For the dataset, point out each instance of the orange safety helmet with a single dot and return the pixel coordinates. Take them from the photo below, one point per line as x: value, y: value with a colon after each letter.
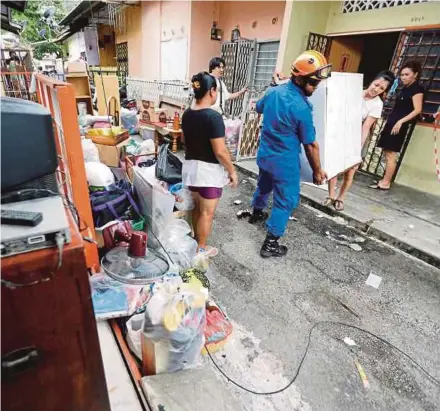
x: 311, y: 64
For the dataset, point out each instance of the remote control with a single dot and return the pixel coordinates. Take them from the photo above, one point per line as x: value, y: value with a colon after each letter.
x: 25, y: 218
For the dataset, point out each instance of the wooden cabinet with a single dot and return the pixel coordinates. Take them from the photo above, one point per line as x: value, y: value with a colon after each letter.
x: 53, y: 326
x: 83, y: 94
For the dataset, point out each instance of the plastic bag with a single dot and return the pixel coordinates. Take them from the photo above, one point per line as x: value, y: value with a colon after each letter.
x: 90, y: 151
x: 184, y: 200
x: 175, y: 238
x: 129, y: 120
x: 156, y: 204
x: 232, y: 134
x: 169, y: 166
x: 134, y: 334
x: 217, y: 330
x: 113, y: 299
x: 175, y: 321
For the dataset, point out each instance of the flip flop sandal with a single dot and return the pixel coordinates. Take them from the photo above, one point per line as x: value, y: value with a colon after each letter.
x: 377, y: 187
x: 328, y: 201
x: 338, y: 205
x: 211, y: 251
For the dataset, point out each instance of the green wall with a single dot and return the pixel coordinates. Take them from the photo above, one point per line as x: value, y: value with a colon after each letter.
x: 418, y: 167
x: 387, y: 18
x: 306, y: 16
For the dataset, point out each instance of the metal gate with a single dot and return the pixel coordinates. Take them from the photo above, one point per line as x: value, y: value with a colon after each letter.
x: 248, y: 63
x: 238, y: 58
x: 122, y: 62
x: 263, y: 65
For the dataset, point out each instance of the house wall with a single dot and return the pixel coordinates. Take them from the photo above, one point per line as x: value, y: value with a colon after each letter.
x: 305, y: 17
x: 418, y: 166
x: 151, y: 35
x: 133, y: 36
x: 244, y: 13
x: 384, y: 19
x: 230, y: 14
x: 202, y: 48
x: 75, y: 45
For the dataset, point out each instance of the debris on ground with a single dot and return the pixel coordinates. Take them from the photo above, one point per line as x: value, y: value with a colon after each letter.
x: 411, y: 226
x: 237, y: 202
x: 320, y: 215
x: 362, y: 374
x: 243, y: 214
x: 339, y: 220
x: 346, y: 240
x: 355, y: 247
x: 349, y: 342
x: 244, y: 181
x: 374, y: 280
x: 292, y: 218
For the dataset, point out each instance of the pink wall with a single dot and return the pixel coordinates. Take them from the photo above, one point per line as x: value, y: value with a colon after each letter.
x: 244, y: 13
x: 176, y: 17
x: 202, y: 48
x: 151, y: 29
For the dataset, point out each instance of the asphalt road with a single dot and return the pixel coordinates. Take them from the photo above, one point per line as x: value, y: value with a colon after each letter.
x: 274, y: 303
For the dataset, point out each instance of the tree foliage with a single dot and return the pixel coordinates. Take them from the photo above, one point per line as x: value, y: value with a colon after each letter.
x: 35, y: 26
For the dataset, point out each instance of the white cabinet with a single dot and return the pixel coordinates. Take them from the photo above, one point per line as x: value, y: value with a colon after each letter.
x: 337, y: 116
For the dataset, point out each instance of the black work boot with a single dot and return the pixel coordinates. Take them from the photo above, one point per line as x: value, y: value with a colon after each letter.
x: 258, y: 216
x: 271, y: 248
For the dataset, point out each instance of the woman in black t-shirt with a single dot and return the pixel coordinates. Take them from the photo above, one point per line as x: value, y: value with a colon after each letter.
x: 408, y: 106
x: 208, y: 166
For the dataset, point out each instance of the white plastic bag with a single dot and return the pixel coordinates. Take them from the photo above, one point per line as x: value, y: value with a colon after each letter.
x: 129, y: 120
x: 175, y: 321
x: 134, y: 334
x: 175, y: 238
x: 184, y: 200
x: 90, y: 151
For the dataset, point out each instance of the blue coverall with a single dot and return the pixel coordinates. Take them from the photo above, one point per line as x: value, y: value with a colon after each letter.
x: 287, y: 123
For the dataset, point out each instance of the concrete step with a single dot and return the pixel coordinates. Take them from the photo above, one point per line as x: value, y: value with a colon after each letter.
x: 197, y: 389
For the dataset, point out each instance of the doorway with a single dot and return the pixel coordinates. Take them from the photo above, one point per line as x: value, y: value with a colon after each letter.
x: 367, y: 53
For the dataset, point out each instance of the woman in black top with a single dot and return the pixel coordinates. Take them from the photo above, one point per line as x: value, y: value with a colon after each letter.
x: 408, y: 106
x: 208, y: 166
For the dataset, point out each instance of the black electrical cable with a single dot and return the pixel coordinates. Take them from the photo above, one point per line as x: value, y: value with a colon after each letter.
x: 301, y: 363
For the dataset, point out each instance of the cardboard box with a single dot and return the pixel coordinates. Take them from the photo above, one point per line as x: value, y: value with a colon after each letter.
x: 110, y: 155
x: 153, y: 115
x: 76, y: 67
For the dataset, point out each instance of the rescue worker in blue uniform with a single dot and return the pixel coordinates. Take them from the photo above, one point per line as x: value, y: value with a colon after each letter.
x: 287, y: 124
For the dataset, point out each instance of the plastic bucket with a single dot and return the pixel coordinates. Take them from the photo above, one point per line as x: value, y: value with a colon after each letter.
x: 147, y: 133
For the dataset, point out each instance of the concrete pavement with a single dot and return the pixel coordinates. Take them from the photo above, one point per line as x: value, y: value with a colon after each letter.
x: 403, y: 217
x: 274, y: 304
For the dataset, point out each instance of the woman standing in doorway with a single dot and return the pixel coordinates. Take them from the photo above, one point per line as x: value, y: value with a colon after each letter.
x: 371, y: 110
x: 408, y: 106
x: 208, y: 166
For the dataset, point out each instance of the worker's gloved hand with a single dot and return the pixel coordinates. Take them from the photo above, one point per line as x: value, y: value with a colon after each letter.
x: 319, y: 177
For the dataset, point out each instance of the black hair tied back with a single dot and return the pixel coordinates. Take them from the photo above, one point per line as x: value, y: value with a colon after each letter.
x: 202, y: 83
x: 387, y: 75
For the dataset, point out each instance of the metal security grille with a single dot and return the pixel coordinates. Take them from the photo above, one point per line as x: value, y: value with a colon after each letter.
x: 352, y: 6
x: 319, y: 43
x: 122, y: 62
x: 424, y: 46
x: 237, y: 56
x: 265, y: 63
